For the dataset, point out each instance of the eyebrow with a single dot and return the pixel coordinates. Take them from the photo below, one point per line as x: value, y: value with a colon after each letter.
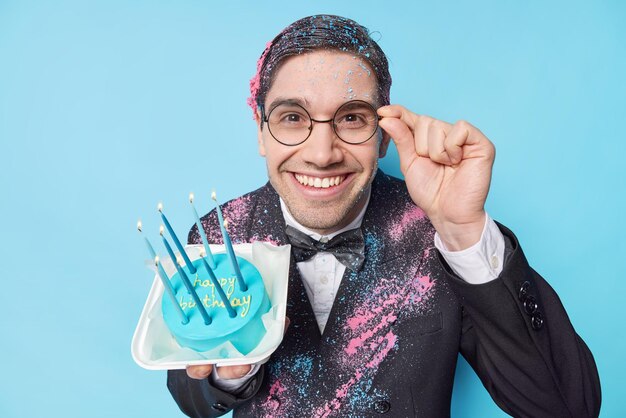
x: 300, y: 101
x: 289, y: 101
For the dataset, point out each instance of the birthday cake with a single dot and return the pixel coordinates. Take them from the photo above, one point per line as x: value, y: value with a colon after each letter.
x: 214, y: 299
x: 204, y: 321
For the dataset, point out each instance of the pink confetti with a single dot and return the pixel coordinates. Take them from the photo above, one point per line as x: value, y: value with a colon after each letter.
x: 255, y: 82
x: 391, y: 339
x: 422, y: 284
x: 268, y: 238
x: 271, y: 402
x: 357, y: 342
x: 237, y: 209
x: 412, y: 215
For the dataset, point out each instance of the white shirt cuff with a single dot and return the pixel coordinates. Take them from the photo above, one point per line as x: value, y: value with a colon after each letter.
x: 483, y: 261
x: 231, y: 385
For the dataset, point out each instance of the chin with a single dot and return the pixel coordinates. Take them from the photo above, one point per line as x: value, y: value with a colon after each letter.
x: 314, y: 222
x: 324, y: 216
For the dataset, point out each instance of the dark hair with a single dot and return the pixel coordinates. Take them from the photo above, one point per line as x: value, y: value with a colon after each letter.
x: 319, y: 32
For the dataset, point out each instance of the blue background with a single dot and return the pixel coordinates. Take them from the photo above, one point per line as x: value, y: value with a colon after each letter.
x: 108, y: 107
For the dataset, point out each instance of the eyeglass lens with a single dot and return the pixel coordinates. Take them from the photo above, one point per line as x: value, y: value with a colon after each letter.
x: 354, y: 122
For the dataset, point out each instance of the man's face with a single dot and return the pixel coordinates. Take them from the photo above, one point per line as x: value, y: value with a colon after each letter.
x: 321, y: 81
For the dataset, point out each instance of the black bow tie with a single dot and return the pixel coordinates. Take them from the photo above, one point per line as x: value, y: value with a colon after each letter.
x: 348, y: 247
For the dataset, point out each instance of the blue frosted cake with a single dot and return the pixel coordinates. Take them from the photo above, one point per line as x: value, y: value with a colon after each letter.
x: 244, y: 330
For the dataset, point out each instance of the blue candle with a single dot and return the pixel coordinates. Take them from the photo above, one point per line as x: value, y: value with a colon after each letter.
x: 187, y: 282
x: 229, y: 246
x: 150, y: 248
x: 190, y: 266
x: 220, y: 291
x: 202, y: 233
x: 163, y: 276
x: 170, y: 290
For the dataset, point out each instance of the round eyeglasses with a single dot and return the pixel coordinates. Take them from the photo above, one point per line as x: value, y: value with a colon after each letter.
x: 290, y: 124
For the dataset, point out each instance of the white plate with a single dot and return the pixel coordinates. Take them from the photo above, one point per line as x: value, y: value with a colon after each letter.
x: 153, y: 346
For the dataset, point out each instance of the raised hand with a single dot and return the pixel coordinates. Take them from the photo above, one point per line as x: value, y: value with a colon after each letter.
x: 447, y: 169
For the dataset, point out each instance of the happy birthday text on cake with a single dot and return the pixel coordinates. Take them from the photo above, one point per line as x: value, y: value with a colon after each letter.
x: 212, y: 300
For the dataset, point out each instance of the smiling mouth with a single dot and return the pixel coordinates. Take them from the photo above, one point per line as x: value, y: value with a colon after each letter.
x: 319, y: 182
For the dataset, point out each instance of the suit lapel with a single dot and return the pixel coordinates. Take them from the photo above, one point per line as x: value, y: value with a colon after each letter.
x: 383, y: 261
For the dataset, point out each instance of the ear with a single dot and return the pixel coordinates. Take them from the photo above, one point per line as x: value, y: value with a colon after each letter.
x: 384, y: 144
x: 259, y: 133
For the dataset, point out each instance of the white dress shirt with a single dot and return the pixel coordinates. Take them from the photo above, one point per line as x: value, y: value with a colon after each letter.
x: 321, y: 274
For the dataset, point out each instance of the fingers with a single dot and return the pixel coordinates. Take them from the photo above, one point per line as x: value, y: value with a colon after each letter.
x: 457, y: 137
x: 436, y: 138
x: 398, y: 112
x: 234, y: 372
x: 422, y: 136
x: 225, y: 372
x: 199, y: 372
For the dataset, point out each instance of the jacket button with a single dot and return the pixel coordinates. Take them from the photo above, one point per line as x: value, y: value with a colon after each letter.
x: 536, y: 320
x: 523, y: 290
x: 219, y: 407
x: 381, y: 406
x: 530, y: 305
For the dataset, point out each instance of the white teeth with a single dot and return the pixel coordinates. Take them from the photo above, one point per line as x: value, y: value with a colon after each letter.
x: 319, y: 182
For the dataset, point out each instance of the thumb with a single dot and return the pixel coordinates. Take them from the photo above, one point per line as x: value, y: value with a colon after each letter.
x: 398, y: 123
x: 287, y: 322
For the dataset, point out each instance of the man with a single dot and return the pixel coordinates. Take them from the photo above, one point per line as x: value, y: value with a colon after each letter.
x: 376, y: 328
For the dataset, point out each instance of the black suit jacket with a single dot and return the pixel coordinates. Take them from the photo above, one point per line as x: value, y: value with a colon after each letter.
x: 392, y: 339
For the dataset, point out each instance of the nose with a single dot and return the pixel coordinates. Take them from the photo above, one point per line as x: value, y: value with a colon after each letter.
x: 322, y: 148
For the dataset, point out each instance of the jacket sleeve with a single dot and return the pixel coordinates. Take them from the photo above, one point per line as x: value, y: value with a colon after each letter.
x: 199, y: 398
x: 521, y: 343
